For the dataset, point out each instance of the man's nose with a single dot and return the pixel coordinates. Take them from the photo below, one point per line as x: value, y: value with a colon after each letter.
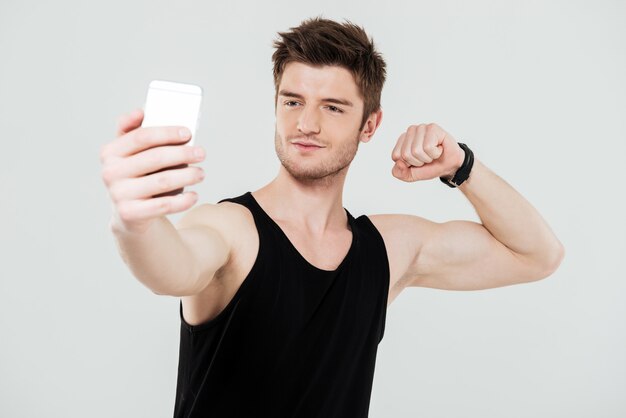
x: 308, y: 121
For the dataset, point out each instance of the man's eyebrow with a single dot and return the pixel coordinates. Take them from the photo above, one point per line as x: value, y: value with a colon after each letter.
x: 344, y: 102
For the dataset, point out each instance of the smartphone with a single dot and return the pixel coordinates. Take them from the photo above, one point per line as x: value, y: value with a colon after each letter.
x: 170, y: 103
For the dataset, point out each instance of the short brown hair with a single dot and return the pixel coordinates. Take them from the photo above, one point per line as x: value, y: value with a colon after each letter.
x: 319, y: 42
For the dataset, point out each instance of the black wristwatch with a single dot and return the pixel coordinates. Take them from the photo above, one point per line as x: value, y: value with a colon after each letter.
x: 463, y: 172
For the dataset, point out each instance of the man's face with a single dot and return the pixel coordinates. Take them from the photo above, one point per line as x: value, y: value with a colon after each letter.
x: 320, y: 106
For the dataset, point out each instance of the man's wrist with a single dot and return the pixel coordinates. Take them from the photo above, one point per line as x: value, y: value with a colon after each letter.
x: 462, y: 171
x: 456, y: 168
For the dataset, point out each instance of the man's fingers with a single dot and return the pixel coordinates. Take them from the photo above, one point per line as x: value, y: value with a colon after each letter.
x: 419, y: 145
x: 144, y: 176
x: 130, y: 121
x: 396, y: 154
x: 147, y: 186
x: 400, y: 170
x: 154, y: 159
x: 142, y: 139
x: 412, y: 151
x: 145, y: 138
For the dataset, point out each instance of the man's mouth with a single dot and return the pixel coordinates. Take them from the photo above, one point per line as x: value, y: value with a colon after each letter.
x: 306, y: 146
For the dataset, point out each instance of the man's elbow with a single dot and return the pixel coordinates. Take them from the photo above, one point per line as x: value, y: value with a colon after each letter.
x: 173, y: 291
x: 549, y: 267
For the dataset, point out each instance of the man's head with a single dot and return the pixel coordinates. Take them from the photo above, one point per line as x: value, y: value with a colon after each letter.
x: 322, y: 42
x: 328, y: 80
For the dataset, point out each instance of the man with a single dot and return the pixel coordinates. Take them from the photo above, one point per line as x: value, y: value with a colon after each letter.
x: 283, y: 292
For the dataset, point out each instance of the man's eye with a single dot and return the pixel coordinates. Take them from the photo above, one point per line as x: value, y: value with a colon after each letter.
x: 335, y: 109
x: 290, y: 103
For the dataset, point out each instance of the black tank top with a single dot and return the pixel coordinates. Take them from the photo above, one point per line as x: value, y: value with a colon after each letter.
x: 295, y: 340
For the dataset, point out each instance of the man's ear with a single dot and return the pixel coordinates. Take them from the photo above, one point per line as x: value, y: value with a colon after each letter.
x: 371, y: 124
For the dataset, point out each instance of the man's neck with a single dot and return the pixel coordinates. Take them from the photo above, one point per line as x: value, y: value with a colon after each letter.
x: 315, y: 205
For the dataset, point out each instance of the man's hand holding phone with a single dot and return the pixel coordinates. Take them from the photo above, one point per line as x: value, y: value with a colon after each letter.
x: 135, y: 172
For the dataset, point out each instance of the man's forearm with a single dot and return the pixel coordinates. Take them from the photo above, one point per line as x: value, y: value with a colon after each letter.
x: 510, y: 218
x: 158, y: 258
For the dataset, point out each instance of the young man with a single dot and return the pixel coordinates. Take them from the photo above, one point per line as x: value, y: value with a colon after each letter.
x: 283, y: 292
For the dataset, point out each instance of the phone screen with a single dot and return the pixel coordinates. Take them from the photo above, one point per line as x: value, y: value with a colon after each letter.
x: 173, y: 104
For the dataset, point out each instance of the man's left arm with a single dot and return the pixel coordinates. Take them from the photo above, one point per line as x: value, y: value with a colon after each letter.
x: 513, y: 244
x: 510, y: 218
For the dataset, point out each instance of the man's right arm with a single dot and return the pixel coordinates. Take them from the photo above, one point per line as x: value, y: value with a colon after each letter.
x: 178, y: 261
x: 175, y: 261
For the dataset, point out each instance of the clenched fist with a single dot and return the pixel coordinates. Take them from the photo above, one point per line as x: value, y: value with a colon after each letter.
x: 425, y: 152
x: 134, y: 170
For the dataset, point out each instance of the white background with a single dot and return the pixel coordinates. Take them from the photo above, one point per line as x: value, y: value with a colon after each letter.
x: 537, y: 89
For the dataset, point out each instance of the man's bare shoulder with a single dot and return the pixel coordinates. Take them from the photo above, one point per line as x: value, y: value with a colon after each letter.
x: 234, y: 223
x: 228, y: 218
x: 394, y: 224
x: 403, y: 236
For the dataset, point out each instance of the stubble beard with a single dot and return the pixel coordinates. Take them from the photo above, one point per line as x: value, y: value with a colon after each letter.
x: 322, y: 172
